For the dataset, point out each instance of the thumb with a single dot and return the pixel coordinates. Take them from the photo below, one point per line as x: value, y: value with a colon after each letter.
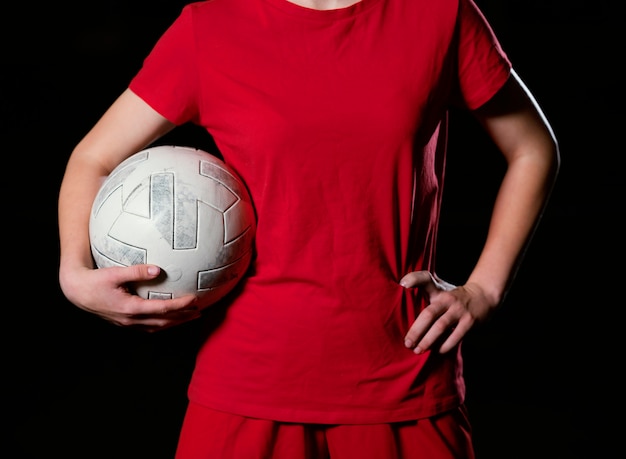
x: 416, y: 279
x: 135, y: 273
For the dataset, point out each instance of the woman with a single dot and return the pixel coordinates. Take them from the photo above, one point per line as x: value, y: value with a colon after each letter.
x: 341, y: 341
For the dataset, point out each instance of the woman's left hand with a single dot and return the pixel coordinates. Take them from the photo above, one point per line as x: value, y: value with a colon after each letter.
x: 452, y: 311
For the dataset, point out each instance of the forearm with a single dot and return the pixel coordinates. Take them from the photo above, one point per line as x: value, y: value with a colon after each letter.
x: 78, y: 189
x: 518, y: 207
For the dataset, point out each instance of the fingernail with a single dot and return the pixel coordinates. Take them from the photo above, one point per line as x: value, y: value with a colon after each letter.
x: 408, y: 343
x: 153, y: 270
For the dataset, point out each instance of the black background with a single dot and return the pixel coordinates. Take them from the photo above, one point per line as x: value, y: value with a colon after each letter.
x: 543, y: 375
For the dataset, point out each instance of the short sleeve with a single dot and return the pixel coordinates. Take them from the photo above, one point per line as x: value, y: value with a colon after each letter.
x: 168, y: 78
x: 483, y: 66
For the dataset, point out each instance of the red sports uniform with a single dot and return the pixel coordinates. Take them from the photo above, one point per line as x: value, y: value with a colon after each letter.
x: 336, y: 121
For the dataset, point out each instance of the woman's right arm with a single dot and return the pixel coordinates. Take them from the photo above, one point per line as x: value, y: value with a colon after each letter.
x: 128, y: 126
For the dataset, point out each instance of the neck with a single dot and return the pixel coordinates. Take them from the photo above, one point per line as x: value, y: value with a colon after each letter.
x: 324, y: 4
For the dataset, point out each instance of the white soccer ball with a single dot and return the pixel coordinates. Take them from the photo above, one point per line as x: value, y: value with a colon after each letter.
x: 182, y: 209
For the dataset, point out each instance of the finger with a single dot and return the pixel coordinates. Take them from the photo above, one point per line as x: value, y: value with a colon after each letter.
x: 154, y: 326
x: 154, y: 322
x: 451, y: 341
x: 183, y: 304
x: 416, y: 279
x: 455, y: 337
x: 136, y: 273
x: 425, y: 329
x: 124, y: 276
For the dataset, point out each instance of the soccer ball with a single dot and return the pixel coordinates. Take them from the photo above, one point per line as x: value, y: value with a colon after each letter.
x: 182, y: 209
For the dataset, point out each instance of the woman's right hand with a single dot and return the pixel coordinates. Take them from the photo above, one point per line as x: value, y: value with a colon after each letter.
x: 105, y: 292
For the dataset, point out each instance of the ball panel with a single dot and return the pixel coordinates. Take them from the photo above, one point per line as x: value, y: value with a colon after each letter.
x: 111, y: 253
x: 237, y: 224
x: 162, y: 206
x: 159, y: 296
x: 223, y: 276
x: 117, y: 177
x: 108, y: 249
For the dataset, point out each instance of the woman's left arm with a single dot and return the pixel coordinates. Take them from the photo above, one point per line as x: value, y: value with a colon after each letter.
x: 520, y: 130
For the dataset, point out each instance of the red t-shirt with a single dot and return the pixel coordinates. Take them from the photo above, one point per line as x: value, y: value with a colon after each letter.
x: 336, y: 122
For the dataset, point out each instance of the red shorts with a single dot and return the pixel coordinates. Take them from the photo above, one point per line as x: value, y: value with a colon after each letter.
x: 208, y: 434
